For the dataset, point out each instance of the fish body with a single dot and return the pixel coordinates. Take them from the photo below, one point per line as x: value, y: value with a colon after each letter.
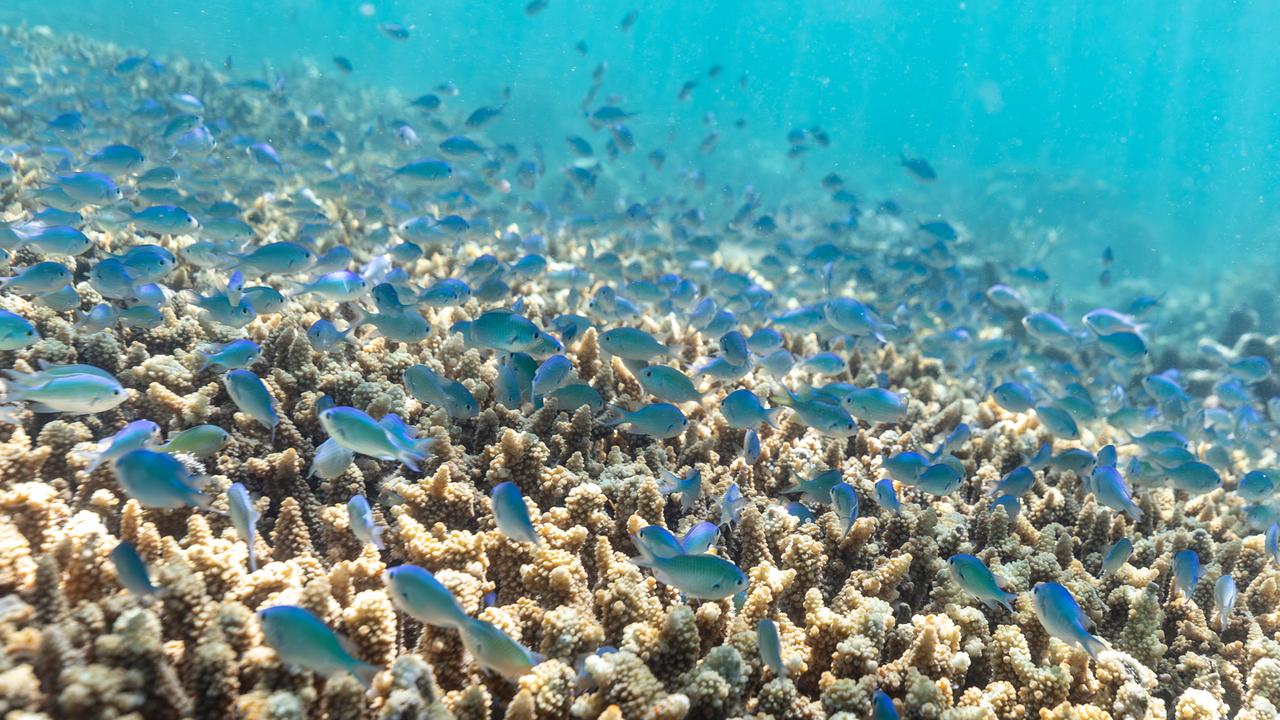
x: 876, y: 405
x: 137, y: 434
x: 828, y: 419
x: 78, y: 393
x: 235, y: 355
x: 131, y: 570
x: 423, y: 597
x: 816, y: 489
x: 244, y: 518
x: 1113, y: 492
x: 667, y: 384
x: 658, y: 420
x: 157, y: 480
x: 356, y: 431
x: 706, y: 577
x: 200, y: 441
x: 363, y: 526
x: 1224, y: 598
x: 302, y: 639
x: 16, y: 332
x: 512, y: 514
x: 495, y: 650
x: 975, y: 578
x: 742, y: 409
x: 1187, y: 572
x: 887, y: 496
x: 1061, y: 617
x: 632, y: 344
x: 1117, y: 555
x: 689, y: 487
x: 251, y: 396
x: 770, y: 645
x: 844, y: 500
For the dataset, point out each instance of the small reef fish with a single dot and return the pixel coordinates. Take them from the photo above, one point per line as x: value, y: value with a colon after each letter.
x: 302, y: 639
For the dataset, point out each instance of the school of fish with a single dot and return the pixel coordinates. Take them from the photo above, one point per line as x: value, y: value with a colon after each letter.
x: 299, y: 391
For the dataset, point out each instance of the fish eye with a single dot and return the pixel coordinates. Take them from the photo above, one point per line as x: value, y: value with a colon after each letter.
x: 115, y: 392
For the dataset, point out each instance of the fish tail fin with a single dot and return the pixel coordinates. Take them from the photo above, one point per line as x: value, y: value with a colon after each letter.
x: 771, y: 416
x: 1132, y: 510
x: 411, y: 459
x: 1006, y: 600
x: 1093, y: 644
x: 376, y: 537
x: 613, y: 415
x: 253, y: 559
x: 14, y: 391
x: 365, y: 673
x: 204, y: 360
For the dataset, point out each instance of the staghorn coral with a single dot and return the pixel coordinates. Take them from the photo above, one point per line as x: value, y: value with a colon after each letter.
x: 871, y: 608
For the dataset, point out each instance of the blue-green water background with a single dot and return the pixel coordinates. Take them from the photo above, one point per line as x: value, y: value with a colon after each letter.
x: 1147, y: 125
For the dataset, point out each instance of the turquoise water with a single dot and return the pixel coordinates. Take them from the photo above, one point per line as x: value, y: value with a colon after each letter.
x: 1147, y: 126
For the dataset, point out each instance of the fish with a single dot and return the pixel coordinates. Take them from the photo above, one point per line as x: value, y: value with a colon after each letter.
x: 689, y: 487
x: 199, y: 441
x: 906, y: 466
x: 494, y: 649
x: 632, y: 344
x: 37, y: 279
x: 1014, y: 397
x: 131, y: 570
x: 1116, y: 556
x: 1194, y: 477
x: 939, y: 479
x: 244, y: 517
x: 770, y: 645
x: 887, y: 496
x: 815, y: 489
x: 16, y: 332
x: 1224, y: 598
x: 1272, y: 542
x: 76, y: 393
x: 667, y: 384
x: 552, y: 374
x: 252, y: 398
x: 658, y: 420
x: 1016, y: 482
x: 700, y: 538
x: 324, y: 336
x: 511, y: 514
x: 428, y: 387
x: 882, y: 707
x: 1113, y: 492
x: 876, y: 405
x: 975, y: 578
x: 359, y: 433
x: 1061, y: 617
x: 742, y: 409
x: 750, y: 447
x: 157, y: 480
x: 844, y: 500
x: 331, y: 460
x: 828, y: 419
x: 919, y: 168
x: 732, y: 504
x: 135, y: 435
x: 301, y: 639
x: 234, y: 355
x: 705, y: 577
x: 363, y: 525
x: 1187, y: 572
x: 418, y: 594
